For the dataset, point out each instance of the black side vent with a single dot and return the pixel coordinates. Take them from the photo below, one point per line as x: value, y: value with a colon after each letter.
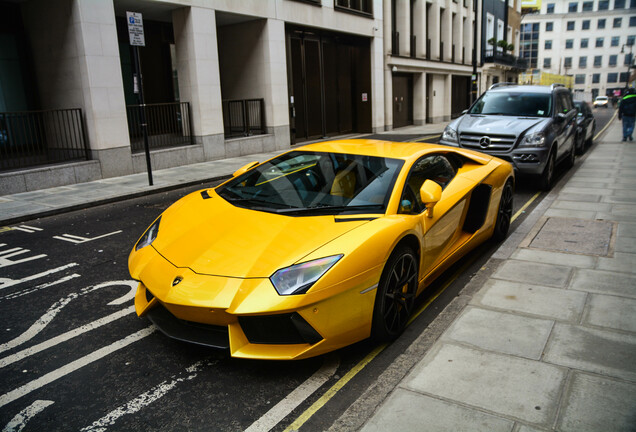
x: 205, y: 194
x: 279, y: 329
x: 477, y: 209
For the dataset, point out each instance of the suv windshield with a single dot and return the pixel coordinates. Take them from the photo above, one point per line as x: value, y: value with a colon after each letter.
x: 514, y: 104
x: 313, y: 183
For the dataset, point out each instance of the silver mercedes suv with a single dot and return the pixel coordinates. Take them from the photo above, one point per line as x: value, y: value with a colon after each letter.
x: 532, y: 127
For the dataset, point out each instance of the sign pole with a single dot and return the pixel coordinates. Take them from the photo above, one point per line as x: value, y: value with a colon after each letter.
x: 136, y: 35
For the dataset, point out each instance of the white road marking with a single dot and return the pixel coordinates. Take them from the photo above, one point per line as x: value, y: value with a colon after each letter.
x: 54, y: 309
x: 20, y: 420
x: 77, y: 239
x: 6, y: 254
x: 27, y: 229
x: 65, y: 337
x: 38, y: 288
x: 144, y: 399
x: 6, y: 282
x: 73, y: 366
x: 282, y: 409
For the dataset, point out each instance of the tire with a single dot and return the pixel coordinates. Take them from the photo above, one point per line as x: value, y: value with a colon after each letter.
x: 571, y: 157
x: 395, y: 297
x: 545, y: 182
x: 504, y: 214
x: 588, y: 142
x: 580, y: 144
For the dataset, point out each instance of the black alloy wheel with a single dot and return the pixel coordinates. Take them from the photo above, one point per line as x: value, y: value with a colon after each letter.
x: 548, y: 173
x: 395, y: 298
x: 504, y: 215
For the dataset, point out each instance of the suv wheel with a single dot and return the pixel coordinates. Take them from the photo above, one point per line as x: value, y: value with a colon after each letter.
x: 548, y: 173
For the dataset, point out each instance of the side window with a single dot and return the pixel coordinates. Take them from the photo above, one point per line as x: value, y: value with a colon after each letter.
x: 432, y: 167
x: 566, y: 103
x: 558, y: 105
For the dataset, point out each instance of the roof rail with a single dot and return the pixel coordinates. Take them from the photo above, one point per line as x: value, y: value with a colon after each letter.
x: 502, y: 84
x: 553, y: 85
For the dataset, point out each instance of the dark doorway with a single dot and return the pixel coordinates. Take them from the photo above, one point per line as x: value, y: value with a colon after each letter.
x: 329, y: 84
x: 402, y: 100
x: 460, y: 95
x: 429, y: 98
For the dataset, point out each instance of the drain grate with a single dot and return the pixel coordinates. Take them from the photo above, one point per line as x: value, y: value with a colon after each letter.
x: 580, y: 236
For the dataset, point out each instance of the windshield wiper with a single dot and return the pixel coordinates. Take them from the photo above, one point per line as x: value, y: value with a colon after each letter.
x: 327, y: 209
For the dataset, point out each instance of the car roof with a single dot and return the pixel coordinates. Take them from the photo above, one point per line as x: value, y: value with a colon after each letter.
x: 526, y: 89
x: 601, y: 97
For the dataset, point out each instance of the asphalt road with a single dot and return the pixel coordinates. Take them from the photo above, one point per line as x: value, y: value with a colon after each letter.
x: 74, y: 356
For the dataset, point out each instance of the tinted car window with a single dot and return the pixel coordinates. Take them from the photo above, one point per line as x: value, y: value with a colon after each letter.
x: 433, y: 167
x: 514, y: 104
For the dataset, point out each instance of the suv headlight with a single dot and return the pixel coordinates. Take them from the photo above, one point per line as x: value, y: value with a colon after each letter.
x: 449, y: 134
x: 536, y: 139
x: 149, y: 236
x: 297, y: 279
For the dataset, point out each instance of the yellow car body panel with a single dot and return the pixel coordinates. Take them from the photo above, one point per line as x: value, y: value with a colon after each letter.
x: 211, y: 261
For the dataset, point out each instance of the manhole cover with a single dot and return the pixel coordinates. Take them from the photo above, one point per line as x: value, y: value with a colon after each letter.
x: 581, y: 236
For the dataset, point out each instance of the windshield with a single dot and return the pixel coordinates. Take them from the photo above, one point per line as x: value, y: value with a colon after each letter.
x: 312, y: 183
x: 514, y: 104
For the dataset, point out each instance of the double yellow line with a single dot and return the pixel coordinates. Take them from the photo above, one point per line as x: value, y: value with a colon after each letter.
x: 329, y: 394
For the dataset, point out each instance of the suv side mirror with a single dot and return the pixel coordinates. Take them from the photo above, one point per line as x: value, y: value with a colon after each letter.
x: 561, y: 117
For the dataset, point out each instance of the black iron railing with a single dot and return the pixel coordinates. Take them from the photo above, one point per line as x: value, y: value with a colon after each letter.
x: 493, y: 56
x: 169, y: 125
x: 32, y: 138
x: 244, y: 117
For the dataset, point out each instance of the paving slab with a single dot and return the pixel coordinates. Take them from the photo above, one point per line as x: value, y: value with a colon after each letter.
x: 573, y: 235
x: 525, y: 389
x: 593, y: 350
x: 613, y: 312
x: 620, y: 262
x: 548, y: 257
x: 405, y: 410
x: 604, y: 282
x: 534, y: 273
x: 553, y: 303
x: 594, y: 403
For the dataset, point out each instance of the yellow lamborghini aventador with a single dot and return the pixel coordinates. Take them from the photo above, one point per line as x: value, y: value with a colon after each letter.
x: 317, y: 248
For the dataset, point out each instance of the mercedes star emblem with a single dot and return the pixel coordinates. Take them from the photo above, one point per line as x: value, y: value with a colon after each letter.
x: 484, y: 142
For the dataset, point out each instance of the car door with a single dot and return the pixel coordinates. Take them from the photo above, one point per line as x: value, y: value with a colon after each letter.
x: 442, y: 229
x: 567, y: 127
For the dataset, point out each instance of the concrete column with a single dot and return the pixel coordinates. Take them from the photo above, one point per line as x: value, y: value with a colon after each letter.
x: 199, y: 81
x: 377, y: 79
x: 448, y: 96
x: 419, y: 27
x: 446, y: 32
x: 403, y: 24
x: 76, y: 58
x: 419, y: 98
x: 386, y: 70
x: 433, y: 18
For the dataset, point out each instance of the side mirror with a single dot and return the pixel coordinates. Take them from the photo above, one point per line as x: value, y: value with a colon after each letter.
x: 464, y: 112
x: 430, y: 193
x: 244, y: 169
x: 561, y: 117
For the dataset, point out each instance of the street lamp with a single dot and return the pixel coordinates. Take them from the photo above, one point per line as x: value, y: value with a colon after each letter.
x: 629, y: 64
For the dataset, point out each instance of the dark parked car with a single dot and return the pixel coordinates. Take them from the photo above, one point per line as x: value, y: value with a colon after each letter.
x: 532, y: 127
x: 585, y: 126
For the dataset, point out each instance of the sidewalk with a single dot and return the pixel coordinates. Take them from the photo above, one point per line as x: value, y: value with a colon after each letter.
x: 46, y: 202
x: 544, y: 336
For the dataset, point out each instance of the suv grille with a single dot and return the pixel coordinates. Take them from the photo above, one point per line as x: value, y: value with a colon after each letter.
x: 487, y: 142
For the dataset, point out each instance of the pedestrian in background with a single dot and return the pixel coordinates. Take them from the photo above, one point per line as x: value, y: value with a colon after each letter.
x: 627, y: 113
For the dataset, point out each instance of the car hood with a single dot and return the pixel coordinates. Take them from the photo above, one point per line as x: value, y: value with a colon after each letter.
x: 211, y: 236
x: 494, y: 124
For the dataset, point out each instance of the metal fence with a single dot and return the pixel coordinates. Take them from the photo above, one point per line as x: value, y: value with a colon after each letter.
x: 32, y: 138
x: 244, y: 117
x: 169, y: 125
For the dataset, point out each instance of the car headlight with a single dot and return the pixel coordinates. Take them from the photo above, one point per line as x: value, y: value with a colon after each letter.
x: 149, y: 236
x: 449, y: 134
x: 297, y: 279
x: 536, y: 139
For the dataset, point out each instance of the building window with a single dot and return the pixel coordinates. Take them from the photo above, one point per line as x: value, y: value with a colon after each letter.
x: 549, y: 26
x: 584, y: 42
x: 618, y: 22
x: 623, y: 77
x: 579, y: 79
x: 573, y: 7
x: 630, y: 40
x: 603, y: 5
x: 619, y: 4
x: 596, y: 78
x: 598, y: 61
x: 582, y: 62
x: 529, y: 43
x: 628, y: 59
x: 601, y: 23
x: 570, y: 26
x: 588, y: 6
x: 632, y: 4
x: 632, y: 21
x: 612, y: 77
x: 567, y: 62
x: 547, y: 63
x: 549, y: 8
x: 569, y: 43
x: 612, y: 60
x: 615, y: 40
x: 548, y: 45
x: 358, y: 6
x: 599, y: 42
x: 586, y: 25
